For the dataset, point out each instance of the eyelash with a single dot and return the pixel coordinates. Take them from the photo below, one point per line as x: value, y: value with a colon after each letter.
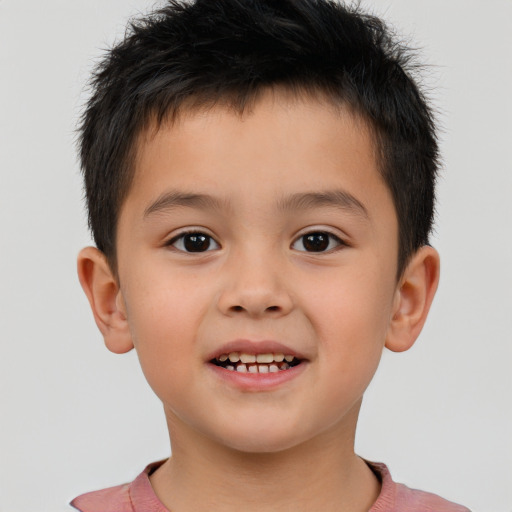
x: 207, y: 239
x: 182, y: 238
x: 331, y: 237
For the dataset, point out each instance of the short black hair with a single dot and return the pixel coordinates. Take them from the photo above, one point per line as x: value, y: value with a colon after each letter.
x: 201, y: 53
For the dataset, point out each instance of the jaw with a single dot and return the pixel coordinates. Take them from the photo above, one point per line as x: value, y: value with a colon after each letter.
x: 264, y: 430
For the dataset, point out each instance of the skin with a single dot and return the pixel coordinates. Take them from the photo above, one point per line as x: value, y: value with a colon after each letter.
x: 257, y: 281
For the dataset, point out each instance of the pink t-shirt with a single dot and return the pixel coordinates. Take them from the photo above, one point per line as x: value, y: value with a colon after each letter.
x: 140, y: 497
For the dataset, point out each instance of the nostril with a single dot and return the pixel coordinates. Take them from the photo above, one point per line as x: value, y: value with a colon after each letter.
x: 269, y: 309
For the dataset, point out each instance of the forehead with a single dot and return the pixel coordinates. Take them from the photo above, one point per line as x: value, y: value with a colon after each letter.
x: 282, y: 145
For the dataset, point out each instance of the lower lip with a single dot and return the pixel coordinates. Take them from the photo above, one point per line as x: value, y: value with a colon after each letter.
x: 257, y: 381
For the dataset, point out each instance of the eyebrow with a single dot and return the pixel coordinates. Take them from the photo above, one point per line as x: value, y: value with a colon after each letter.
x: 340, y: 199
x: 173, y: 199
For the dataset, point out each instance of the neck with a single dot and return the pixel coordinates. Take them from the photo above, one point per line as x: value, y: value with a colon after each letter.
x: 320, y: 474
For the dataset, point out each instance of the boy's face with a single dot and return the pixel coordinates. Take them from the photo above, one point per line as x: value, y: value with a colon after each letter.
x: 267, y: 233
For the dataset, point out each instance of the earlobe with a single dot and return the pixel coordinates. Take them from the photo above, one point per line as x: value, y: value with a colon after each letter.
x: 105, y: 299
x: 413, y: 298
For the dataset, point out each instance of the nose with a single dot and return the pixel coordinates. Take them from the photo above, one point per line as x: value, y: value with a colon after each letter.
x: 255, y: 287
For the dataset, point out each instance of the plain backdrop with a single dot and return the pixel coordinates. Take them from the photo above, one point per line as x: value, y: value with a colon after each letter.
x: 75, y: 417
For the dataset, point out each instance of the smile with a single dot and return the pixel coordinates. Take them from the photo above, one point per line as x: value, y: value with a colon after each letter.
x: 256, y: 363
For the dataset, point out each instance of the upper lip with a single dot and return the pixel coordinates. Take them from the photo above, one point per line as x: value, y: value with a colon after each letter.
x: 255, y: 347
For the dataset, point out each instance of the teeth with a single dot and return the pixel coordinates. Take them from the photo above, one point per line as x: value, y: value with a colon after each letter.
x: 247, y: 358
x: 255, y: 363
x: 264, y: 358
x: 258, y: 368
x: 234, y: 357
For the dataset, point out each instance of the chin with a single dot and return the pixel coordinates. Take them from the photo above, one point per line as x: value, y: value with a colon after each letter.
x: 261, y: 447
x: 265, y: 439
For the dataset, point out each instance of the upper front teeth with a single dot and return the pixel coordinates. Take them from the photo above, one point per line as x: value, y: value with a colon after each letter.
x: 264, y: 358
x: 245, y: 358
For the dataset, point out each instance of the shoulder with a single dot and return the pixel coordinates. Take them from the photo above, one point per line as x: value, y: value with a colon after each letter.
x: 415, y: 500
x: 137, y: 496
x: 395, y: 497
x: 113, y: 499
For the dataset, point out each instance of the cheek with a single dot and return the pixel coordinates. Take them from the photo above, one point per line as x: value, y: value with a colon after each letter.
x: 351, y: 319
x: 164, y: 317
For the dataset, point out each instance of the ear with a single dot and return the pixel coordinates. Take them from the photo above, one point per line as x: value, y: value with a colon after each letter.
x: 413, y: 297
x: 106, y: 300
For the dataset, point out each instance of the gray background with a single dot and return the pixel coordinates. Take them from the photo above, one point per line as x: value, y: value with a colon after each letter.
x: 75, y: 417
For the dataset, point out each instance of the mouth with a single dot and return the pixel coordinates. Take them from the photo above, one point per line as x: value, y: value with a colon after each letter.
x: 244, y: 362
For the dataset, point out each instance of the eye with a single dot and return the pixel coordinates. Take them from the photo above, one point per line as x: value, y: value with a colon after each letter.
x: 317, y: 241
x: 194, y: 242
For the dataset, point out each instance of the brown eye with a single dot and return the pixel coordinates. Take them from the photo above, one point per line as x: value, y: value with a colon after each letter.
x: 318, y: 241
x: 194, y: 242
x: 315, y: 242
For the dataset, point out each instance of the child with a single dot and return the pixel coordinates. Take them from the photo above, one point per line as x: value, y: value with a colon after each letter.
x: 260, y: 183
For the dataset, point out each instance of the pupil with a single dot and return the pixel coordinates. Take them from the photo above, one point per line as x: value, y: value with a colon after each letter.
x: 316, y: 242
x: 196, y: 242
